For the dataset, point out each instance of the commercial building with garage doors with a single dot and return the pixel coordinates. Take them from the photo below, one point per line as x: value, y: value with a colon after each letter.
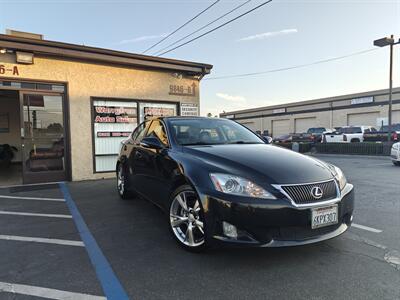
x: 367, y: 108
x: 65, y: 108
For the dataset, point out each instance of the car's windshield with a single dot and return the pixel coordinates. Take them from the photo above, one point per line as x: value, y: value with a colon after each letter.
x: 211, y: 132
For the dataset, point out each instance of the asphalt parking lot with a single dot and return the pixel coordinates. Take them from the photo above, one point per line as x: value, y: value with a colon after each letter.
x: 80, y: 241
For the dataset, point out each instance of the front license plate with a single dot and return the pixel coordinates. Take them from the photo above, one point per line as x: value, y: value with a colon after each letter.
x: 324, y: 216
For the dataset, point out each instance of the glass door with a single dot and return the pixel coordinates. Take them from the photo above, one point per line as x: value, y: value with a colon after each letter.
x: 43, y: 132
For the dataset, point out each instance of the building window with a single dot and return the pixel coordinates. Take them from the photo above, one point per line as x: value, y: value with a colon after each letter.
x: 113, y: 121
x: 148, y: 110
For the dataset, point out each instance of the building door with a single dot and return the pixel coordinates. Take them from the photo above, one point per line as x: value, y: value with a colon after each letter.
x: 303, y: 124
x: 43, y: 137
x: 362, y: 119
x: 280, y: 127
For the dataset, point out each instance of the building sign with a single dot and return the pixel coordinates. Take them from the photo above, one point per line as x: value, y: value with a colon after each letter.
x: 189, y: 109
x: 279, y: 111
x: 183, y: 90
x: 111, y: 114
x: 153, y: 112
x: 229, y: 116
x: 113, y: 122
x: 362, y: 100
x: 9, y: 70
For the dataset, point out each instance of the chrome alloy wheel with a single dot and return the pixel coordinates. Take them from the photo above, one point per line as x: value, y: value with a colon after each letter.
x: 120, y: 181
x: 185, y: 219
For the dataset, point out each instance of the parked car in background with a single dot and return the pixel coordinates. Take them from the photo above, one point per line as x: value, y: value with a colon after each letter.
x: 395, y: 154
x: 348, y: 134
x: 282, y: 139
x: 382, y: 134
x: 313, y: 135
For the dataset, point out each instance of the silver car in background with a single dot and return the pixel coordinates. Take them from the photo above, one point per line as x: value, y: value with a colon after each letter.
x: 395, y: 154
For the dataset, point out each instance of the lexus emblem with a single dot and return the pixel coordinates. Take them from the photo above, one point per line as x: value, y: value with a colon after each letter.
x: 316, y: 192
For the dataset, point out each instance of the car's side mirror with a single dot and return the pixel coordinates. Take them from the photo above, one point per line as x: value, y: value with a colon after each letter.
x: 151, y: 143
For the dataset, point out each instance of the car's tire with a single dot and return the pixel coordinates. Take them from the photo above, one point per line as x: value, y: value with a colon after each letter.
x: 355, y: 141
x: 123, y: 187
x: 186, y: 219
x: 396, y: 163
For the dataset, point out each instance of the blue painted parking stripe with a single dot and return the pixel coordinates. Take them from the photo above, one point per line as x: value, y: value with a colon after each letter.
x: 112, y: 288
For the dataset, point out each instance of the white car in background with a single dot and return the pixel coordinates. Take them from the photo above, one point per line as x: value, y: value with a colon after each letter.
x: 348, y: 134
x: 395, y: 154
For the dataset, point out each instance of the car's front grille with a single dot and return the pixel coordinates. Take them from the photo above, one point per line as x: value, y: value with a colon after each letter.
x: 303, y: 194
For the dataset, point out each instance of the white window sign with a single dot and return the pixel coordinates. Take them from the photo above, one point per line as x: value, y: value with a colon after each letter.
x: 189, y: 109
x: 113, y: 121
x: 362, y: 100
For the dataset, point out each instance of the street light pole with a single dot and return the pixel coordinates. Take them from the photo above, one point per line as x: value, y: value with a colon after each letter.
x: 390, y: 90
x: 382, y: 43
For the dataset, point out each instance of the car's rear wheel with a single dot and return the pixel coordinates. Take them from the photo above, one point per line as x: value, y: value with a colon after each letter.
x: 396, y: 163
x: 122, y: 182
x: 186, y: 219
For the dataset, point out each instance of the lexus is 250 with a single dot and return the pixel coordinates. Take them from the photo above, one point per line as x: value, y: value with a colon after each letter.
x: 218, y: 182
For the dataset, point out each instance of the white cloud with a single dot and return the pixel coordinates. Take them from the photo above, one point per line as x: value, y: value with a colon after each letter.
x: 265, y: 35
x: 231, y: 98
x: 142, y: 38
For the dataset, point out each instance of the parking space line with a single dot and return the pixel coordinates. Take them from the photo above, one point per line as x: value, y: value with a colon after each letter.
x: 44, y: 292
x: 41, y: 240
x: 17, y: 213
x: 112, y: 287
x: 32, y: 198
x: 366, y: 228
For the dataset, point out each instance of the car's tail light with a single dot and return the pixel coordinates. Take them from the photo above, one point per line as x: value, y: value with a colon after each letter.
x: 395, y: 136
x: 345, y: 138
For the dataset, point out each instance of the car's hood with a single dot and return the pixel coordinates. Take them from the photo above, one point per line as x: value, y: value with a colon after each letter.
x: 275, y: 164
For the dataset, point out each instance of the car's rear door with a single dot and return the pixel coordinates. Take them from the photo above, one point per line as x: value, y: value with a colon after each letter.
x: 159, y: 167
x: 136, y: 163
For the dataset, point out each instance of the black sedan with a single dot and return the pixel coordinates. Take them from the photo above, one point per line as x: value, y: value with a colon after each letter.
x: 219, y: 182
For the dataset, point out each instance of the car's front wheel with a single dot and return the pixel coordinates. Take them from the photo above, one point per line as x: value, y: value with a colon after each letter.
x: 122, y: 182
x: 186, y: 219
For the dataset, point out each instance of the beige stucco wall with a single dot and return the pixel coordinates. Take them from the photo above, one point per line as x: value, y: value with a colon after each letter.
x: 87, y: 80
x: 328, y: 119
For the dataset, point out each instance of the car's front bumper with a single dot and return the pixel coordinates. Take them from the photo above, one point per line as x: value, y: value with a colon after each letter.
x: 272, y: 223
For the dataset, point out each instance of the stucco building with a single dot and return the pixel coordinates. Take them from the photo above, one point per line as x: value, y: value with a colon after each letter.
x: 367, y: 108
x: 65, y: 108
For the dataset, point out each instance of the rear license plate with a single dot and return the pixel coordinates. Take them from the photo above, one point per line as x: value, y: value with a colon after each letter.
x: 324, y: 216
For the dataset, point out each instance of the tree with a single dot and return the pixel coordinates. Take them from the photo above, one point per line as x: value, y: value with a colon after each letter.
x: 209, y: 115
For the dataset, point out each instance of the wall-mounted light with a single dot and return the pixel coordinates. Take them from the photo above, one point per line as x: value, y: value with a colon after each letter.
x: 3, y: 51
x: 177, y: 75
x: 24, y: 57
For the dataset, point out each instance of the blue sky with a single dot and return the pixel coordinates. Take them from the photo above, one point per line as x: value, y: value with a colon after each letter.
x: 280, y: 34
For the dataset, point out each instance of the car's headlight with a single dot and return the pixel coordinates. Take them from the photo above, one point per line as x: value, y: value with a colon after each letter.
x: 231, y: 184
x: 341, y: 179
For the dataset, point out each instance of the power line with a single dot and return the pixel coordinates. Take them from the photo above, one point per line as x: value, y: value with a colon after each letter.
x: 216, y: 28
x: 180, y: 27
x: 293, y: 67
x: 201, y: 28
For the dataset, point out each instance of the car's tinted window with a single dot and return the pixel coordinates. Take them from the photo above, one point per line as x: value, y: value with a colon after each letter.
x: 316, y: 130
x: 350, y: 130
x: 211, y: 132
x: 139, y: 132
x: 158, y: 131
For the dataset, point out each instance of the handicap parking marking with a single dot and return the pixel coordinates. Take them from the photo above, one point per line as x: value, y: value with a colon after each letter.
x: 112, y: 287
x: 17, y: 213
x: 367, y: 228
x: 41, y: 240
x: 42, y: 292
x: 32, y: 198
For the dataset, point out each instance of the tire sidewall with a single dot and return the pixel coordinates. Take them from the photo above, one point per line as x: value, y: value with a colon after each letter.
x: 126, y: 194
